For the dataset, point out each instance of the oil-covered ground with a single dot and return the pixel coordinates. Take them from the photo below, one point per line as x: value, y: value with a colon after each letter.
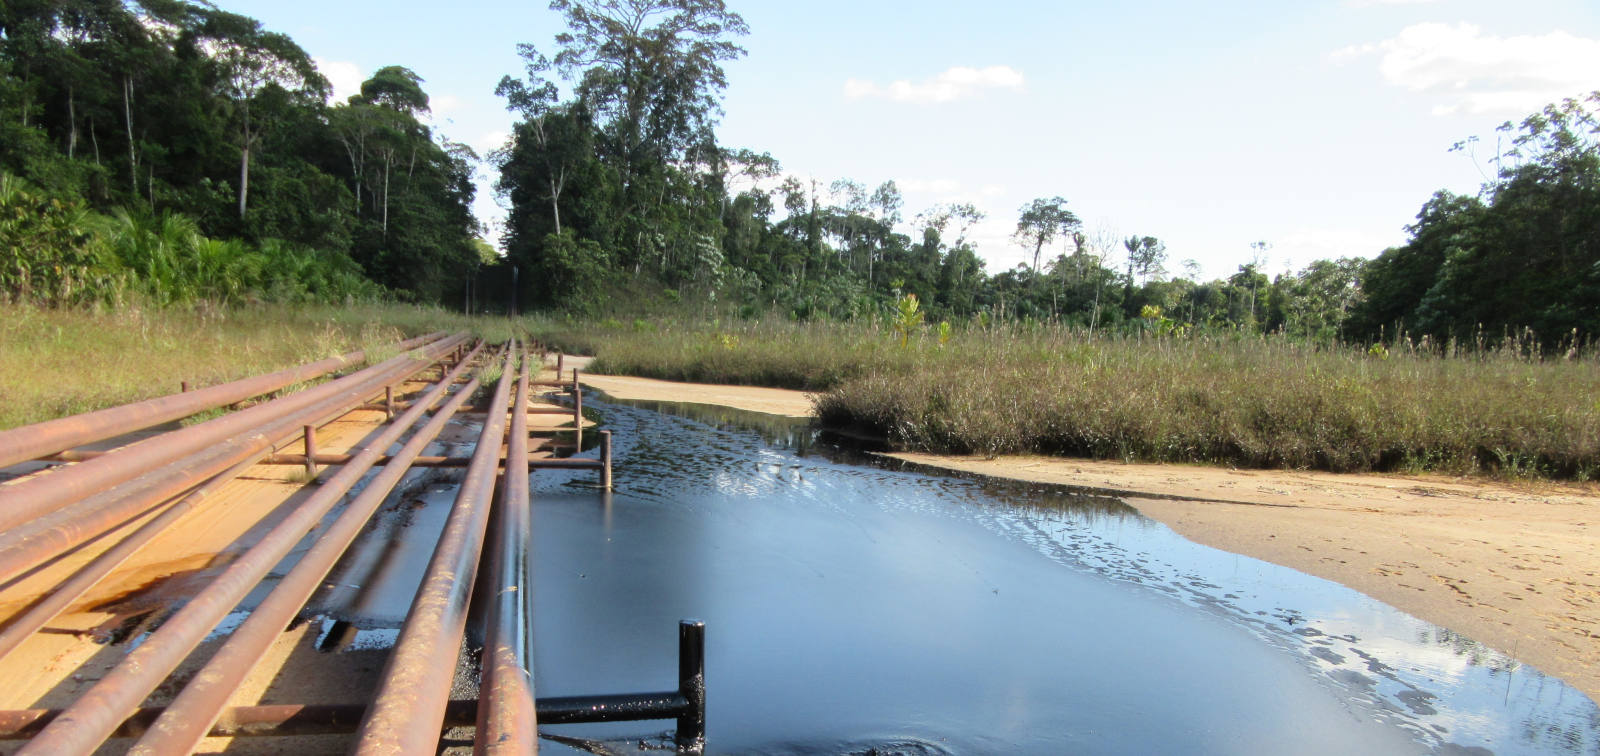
x: 855, y: 606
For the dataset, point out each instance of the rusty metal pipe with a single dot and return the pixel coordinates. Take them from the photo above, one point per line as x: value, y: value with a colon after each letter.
x: 60, y: 434
x: 577, y: 411
x: 95, y: 715
x: 30, y: 498
x: 191, y: 714
x: 64, y: 593
x: 337, y: 719
x: 406, y: 715
x: 45, y: 537
x: 507, y: 719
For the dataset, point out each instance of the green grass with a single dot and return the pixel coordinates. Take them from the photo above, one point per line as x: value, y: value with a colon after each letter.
x: 813, y: 357
x: 1218, y: 399
x: 56, y: 362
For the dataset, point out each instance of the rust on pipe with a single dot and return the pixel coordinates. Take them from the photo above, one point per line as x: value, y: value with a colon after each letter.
x: 311, y: 451
x: 507, y: 717
x: 406, y: 715
x: 47, y: 536
x: 190, y: 715
x: 30, y: 498
x: 84, y: 725
x: 64, y: 593
x: 50, y: 535
x: 46, y: 438
x: 577, y: 411
x: 342, y: 459
x: 238, y: 721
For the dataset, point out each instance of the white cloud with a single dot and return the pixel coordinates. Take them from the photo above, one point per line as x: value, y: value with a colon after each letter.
x: 1371, y: 3
x: 953, y: 84
x: 940, y: 187
x: 490, y: 142
x: 1300, y: 247
x: 345, y: 76
x: 992, y: 241
x: 444, y: 105
x: 1481, y: 73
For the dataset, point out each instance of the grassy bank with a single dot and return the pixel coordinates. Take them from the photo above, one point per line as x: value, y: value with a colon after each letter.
x: 56, y: 362
x: 1246, y: 401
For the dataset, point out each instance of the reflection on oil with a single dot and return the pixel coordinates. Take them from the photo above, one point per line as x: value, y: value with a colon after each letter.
x: 857, y: 605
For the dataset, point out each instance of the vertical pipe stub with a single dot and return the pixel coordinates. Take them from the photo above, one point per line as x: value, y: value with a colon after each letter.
x: 605, y: 460
x: 311, y: 451
x: 692, y: 685
x: 577, y: 413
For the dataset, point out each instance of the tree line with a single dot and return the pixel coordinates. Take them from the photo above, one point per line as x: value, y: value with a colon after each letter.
x: 160, y: 109
x: 164, y: 135
x: 616, y: 183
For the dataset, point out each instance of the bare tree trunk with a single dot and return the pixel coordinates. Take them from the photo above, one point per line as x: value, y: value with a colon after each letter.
x: 72, y: 120
x: 244, y: 162
x: 387, y: 164
x: 27, y: 103
x: 556, y: 184
x: 244, y: 177
x: 127, y: 115
x: 355, y: 171
x: 95, y: 140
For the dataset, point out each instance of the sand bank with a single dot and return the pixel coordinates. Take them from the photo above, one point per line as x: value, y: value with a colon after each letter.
x: 1514, y: 566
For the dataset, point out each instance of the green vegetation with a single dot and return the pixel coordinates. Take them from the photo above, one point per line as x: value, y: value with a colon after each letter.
x: 623, y: 187
x: 179, y: 119
x: 1250, y: 401
x: 172, y: 177
x: 57, y: 362
x: 55, y: 252
x: 227, y: 177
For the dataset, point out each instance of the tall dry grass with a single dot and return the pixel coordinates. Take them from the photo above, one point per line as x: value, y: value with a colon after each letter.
x: 1218, y: 399
x: 56, y: 362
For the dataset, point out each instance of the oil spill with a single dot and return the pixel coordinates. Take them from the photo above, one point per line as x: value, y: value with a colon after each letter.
x: 846, y: 598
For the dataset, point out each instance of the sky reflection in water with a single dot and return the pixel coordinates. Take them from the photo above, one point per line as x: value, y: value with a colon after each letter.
x: 856, y: 606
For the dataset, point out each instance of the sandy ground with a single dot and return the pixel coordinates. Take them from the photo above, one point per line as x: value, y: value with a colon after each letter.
x: 752, y: 398
x: 1513, y: 566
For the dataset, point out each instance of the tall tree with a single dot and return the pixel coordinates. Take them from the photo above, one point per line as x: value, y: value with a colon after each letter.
x: 650, y: 69
x: 253, y: 61
x: 1042, y: 221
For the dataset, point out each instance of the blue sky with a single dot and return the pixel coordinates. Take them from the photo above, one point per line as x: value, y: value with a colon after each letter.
x: 1318, y: 126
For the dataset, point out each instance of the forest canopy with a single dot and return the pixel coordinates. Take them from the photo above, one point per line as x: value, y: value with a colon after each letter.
x: 163, y: 109
x: 178, y: 150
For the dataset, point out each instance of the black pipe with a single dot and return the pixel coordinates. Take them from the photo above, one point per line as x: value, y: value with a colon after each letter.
x: 626, y: 707
x: 692, y: 685
x: 687, y: 705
